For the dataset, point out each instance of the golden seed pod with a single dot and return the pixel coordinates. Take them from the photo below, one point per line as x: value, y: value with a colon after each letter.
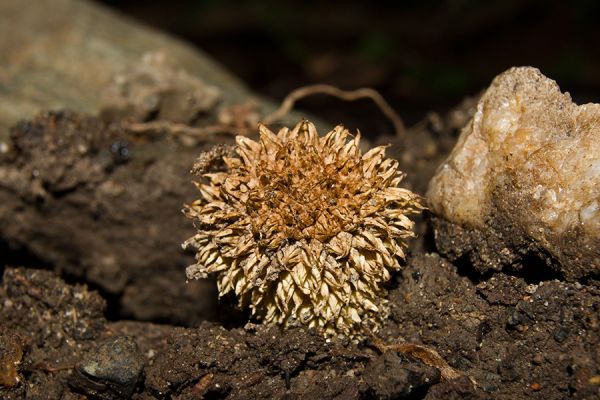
x: 304, y: 229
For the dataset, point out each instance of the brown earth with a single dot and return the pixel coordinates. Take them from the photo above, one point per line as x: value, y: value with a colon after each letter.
x: 93, y: 297
x: 103, y: 309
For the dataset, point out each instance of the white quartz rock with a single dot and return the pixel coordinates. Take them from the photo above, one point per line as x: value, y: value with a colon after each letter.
x: 524, y: 174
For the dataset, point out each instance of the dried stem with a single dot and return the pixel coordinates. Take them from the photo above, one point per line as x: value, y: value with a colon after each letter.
x: 181, y: 129
x: 346, y: 95
x: 422, y: 353
x: 43, y: 366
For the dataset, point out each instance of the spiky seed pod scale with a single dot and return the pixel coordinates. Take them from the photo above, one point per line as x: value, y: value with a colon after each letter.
x: 304, y: 229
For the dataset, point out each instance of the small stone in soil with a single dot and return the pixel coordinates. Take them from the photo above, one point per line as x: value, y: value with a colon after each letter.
x: 110, y: 371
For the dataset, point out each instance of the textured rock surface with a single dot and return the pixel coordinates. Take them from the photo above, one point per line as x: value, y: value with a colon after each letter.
x: 72, y: 59
x: 523, y: 178
x: 111, y: 370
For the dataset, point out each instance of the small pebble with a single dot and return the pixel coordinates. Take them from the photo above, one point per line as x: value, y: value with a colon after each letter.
x: 111, y: 370
x: 560, y: 334
x: 536, y: 387
x: 11, y: 353
x: 531, y: 288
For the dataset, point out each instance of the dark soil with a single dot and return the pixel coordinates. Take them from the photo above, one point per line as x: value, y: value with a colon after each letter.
x: 103, y: 206
x: 103, y: 309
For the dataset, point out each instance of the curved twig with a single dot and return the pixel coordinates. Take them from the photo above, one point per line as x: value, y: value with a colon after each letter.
x: 346, y: 95
x: 420, y: 352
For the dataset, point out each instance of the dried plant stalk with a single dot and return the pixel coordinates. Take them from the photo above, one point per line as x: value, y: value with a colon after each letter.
x: 304, y: 229
x: 346, y: 95
x: 423, y: 353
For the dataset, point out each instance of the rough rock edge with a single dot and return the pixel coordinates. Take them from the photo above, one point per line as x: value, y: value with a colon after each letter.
x: 490, y: 234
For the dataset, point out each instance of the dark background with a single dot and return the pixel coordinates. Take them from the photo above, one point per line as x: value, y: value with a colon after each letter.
x: 421, y: 55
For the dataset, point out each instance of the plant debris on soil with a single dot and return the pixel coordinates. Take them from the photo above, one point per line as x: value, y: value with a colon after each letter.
x: 94, y: 302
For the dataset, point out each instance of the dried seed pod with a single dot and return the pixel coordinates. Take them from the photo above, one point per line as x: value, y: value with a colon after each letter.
x: 304, y: 229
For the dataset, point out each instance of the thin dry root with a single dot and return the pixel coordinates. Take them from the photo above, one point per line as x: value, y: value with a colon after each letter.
x: 237, y: 119
x: 203, y: 384
x: 346, y: 95
x: 177, y: 129
x: 242, y: 119
x: 422, y: 353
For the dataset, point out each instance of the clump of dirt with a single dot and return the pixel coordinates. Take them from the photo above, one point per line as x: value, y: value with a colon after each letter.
x: 511, y: 338
x: 54, y: 322
x: 515, y: 339
x: 69, y: 348
x: 490, y: 250
x: 103, y: 205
